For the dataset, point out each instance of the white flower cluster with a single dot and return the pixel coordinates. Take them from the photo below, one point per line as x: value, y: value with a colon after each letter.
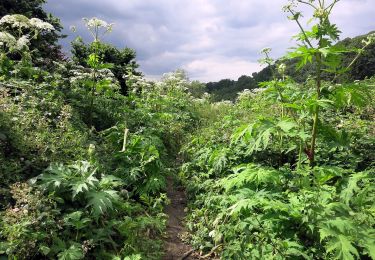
x: 247, y: 93
x: 8, y: 40
x: 94, y: 25
x: 95, y: 22
x: 369, y: 39
x: 22, y: 43
x: 281, y: 68
x: 174, y: 80
x: 206, y: 97
x: 266, y: 50
x: 15, y: 21
x: 224, y: 103
x: 137, y: 83
x: 20, y: 22
x: 41, y: 25
x: 291, y: 5
x: 80, y: 74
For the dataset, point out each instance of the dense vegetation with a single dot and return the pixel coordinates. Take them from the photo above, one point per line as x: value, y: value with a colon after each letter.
x: 286, y: 171
x: 83, y: 167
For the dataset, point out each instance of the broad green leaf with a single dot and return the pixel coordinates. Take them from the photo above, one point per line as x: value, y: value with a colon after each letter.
x: 342, y: 248
x: 101, y: 201
x: 287, y: 125
x: 72, y: 253
x: 44, y: 249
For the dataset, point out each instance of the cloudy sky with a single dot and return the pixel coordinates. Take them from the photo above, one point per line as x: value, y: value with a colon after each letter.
x: 210, y: 39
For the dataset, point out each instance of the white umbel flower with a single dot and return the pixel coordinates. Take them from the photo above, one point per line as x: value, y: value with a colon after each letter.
x: 7, y: 38
x: 41, y: 25
x: 22, y: 43
x: 97, y: 27
x: 16, y: 21
x: 95, y: 22
x: 22, y: 22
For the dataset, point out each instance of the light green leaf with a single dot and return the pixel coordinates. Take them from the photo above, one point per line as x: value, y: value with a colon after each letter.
x: 101, y: 201
x: 342, y: 248
x: 72, y: 253
x: 287, y: 125
x: 44, y: 249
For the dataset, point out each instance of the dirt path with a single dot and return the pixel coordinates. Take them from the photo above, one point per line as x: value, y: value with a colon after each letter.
x: 174, y: 247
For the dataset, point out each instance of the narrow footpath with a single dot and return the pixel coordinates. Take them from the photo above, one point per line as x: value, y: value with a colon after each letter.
x: 175, y: 248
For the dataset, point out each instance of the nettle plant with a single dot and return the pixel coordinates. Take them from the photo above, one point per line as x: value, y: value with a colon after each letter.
x: 302, y: 105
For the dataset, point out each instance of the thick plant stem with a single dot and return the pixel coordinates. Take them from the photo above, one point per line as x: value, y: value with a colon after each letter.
x: 316, y: 113
x: 126, y: 132
x: 300, y: 155
x: 93, y: 88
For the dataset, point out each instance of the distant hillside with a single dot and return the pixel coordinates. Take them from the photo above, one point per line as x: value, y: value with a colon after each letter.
x: 227, y: 89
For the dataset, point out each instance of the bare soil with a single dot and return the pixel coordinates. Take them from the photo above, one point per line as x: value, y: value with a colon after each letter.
x: 175, y: 248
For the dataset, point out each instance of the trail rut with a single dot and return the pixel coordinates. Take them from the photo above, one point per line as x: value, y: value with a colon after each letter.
x: 175, y: 248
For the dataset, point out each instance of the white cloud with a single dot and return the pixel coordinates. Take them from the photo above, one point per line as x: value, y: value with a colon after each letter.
x: 214, y: 68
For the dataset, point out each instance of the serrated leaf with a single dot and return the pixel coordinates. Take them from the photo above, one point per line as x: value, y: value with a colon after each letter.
x: 101, y: 201
x: 133, y: 257
x: 74, y: 252
x: 352, y: 186
x: 342, y: 248
x: 44, y: 249
x: 286, y: 125
x: 250, y: 173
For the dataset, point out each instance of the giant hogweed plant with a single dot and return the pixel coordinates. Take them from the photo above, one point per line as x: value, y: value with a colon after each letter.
x: 302, y: 106
x: 75, y: 212
x: 16, y: 33
x: 84, y: 212
x: 97, y: 79
x: 269, y: 194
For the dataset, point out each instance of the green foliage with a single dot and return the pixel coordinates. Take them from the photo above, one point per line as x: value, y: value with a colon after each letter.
x: 72, y: 253
x: 104, y: 202
x: 122, y: 61
x: 263, y: 184
x: 284, y: 172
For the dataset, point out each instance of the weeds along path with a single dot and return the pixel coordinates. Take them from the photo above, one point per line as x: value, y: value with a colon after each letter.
x: 175, y: 248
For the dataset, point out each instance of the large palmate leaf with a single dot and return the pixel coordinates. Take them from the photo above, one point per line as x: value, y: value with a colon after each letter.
x: 218, y: 160
x: 75, y: 219
x: 250, y: 174
x: 84, y: 181
x: 348, y: 192
x: 55, y: 176
x: 342, y: 248
x: 339, y: 234
x: 72, y: 253
x: 101, y: 201
x: 79, y: 177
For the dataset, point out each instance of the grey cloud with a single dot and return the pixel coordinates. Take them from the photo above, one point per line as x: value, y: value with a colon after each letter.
x: 211, y: 39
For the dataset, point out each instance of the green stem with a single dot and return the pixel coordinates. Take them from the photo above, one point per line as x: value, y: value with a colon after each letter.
x: 93, y: 88
x: 316, y: 113
x: 300, y: 155
x: 302, y: 30
x: 92, y: 99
